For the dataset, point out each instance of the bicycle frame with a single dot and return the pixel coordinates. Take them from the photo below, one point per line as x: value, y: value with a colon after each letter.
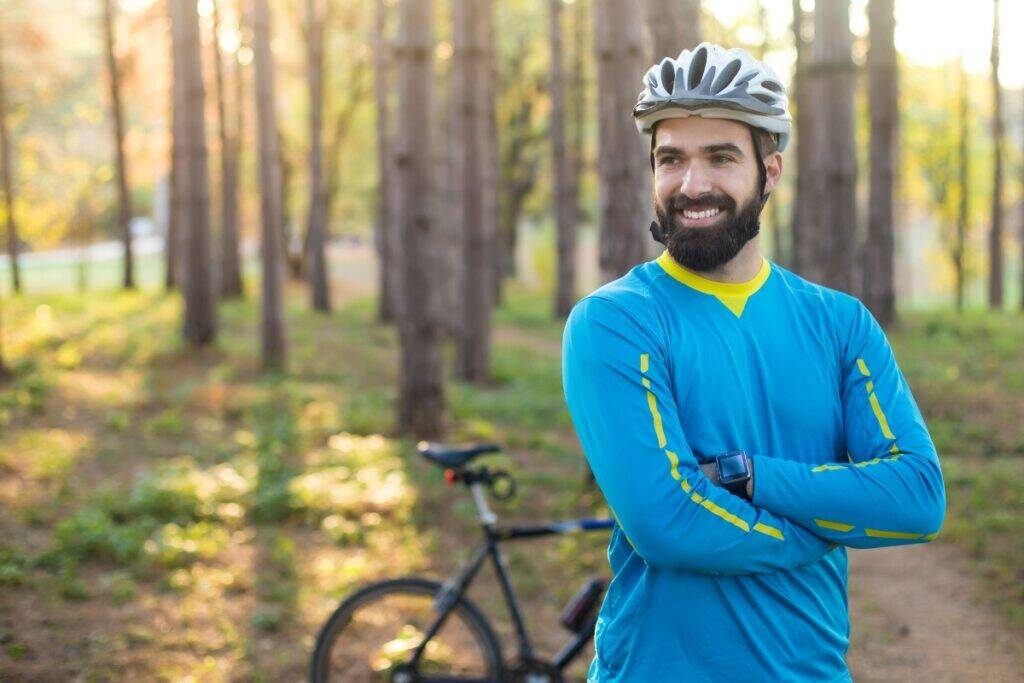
x: 454, y: 587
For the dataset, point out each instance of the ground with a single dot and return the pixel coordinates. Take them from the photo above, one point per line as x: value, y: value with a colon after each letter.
x: 171, y: 515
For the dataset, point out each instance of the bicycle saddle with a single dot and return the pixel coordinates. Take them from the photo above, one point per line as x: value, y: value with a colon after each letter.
x: 448, y: 455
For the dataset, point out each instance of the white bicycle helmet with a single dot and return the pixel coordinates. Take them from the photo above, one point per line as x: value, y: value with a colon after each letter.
x: 715, y: 83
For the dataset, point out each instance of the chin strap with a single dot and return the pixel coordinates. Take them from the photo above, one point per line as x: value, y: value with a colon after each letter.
x: 656, y: 232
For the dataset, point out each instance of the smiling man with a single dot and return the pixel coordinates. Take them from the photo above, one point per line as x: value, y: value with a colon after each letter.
x: 746, y: 426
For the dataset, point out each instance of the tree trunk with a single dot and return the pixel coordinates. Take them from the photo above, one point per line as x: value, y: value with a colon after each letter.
x: 174, y: 188
x: 830, y: 81
x: 963, y: 209
x: 124, y: 202
x: 6, y: 168
x: 293, y: 250
x: 319, y: 287
x: 473, y: 337
x: 673, y: 26
x: 230, y: 141
x: 883, y: 84
x: 491, y: 155
x: 801, y: 251
x: 385, y: 233
x: 272, y: 336
x: 773, y: 224
x: 200, y: 303
x: 995, y: 235
x: 421, y: 391
x: 565, y: 190
x: 576, y: 107
x: 622, y: 159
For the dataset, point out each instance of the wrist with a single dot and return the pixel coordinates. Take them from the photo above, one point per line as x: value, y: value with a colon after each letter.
x: 750, y: 482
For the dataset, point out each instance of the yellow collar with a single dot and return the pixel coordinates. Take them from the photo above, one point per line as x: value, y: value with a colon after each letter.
x: 733, y: 295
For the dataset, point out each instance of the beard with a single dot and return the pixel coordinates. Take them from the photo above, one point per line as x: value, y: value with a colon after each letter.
x: 707, y: 248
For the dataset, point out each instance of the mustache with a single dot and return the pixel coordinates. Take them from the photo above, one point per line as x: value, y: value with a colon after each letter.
x: 714, y: 201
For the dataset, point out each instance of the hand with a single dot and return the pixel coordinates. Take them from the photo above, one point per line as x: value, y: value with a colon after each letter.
x: 710, y: 471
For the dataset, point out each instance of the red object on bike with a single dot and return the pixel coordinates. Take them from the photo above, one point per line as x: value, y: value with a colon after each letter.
x: 451, y: 476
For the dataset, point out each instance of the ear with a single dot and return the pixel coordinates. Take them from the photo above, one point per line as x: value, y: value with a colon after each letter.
x: 772, y: 171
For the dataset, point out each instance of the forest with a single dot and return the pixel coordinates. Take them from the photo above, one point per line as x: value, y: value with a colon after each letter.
x: 253, y: 251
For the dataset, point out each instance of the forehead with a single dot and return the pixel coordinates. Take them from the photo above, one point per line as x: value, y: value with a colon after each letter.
x: 693, y: 132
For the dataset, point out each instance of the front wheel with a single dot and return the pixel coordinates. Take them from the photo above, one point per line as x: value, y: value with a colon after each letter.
x: 374, y: 633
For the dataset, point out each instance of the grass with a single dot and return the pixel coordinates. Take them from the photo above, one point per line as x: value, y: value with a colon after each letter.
x: 204, y: 518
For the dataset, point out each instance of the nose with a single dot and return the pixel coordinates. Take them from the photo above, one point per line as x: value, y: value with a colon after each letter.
x: 695, y: 181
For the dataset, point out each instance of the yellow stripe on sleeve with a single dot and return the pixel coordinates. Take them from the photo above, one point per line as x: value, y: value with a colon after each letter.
x: 645, y: 362
x: 880, y: 533
x: 652, y: 403
x: 863, y: 367
x: 834, y: 526
x: 719, y: 511
x: 769, y: 531
x: 880, y: 416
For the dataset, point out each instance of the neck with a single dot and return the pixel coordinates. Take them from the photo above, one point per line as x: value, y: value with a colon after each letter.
x: 743, y: 267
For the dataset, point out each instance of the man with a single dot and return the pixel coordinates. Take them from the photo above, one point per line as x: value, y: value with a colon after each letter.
x: 745, y: 426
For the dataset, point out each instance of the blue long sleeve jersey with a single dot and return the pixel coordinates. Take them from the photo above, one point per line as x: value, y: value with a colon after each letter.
x: 662, y: 371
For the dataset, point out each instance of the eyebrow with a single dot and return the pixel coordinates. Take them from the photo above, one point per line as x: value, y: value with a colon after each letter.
x: 708, y: 149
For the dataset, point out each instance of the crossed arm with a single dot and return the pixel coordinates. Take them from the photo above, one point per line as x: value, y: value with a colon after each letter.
x: 617, y: 387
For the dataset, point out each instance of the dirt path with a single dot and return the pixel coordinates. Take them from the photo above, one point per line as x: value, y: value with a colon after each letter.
x: 917, y: 616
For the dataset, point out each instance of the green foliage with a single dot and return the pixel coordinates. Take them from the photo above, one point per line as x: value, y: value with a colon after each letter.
x: 13, y: 567
x: 177, y: 546
x: 91, y: 534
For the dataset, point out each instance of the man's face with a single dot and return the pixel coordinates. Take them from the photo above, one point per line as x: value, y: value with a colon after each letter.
x: 707, y: 189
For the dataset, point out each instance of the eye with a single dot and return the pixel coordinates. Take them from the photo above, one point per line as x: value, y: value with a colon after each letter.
x: 720, y: 159
x: 667, y: 160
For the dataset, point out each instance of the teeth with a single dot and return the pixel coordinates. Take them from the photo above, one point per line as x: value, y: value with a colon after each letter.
x: 697, y: 215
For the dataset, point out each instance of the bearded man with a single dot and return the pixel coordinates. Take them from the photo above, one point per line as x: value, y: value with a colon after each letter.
x: 746, y: 426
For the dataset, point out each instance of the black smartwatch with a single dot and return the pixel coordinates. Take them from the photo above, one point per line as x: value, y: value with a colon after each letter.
x: 734, y: 472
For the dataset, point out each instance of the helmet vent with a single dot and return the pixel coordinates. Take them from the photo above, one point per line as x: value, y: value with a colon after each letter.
x: 668, y: 75
x: 697, y: 64
x: 767, y: 99
x: 771, y: 85
x: 725, y: 78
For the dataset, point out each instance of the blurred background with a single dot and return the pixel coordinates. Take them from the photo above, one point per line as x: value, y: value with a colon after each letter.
x: 253, y: 250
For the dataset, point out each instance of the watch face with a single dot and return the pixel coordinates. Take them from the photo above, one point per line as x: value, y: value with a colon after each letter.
x: 732, y: 468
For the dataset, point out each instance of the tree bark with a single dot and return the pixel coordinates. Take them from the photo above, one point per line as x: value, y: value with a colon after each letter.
x: 830, y: 80
x: 963, y: 208
x: 622, y: 159
x: 473, y: 337
x: 565, y: 180
x: 272, y: 336
x: 421, y: 391
x: 200, y: 326
x: 385, y: 233
x: 801, y: 252
x: 995, y: 235
x: 673, y: 26
x: 883, y: 84
x: 6, y: 167
x: 230, y: 267
x: 124, y: 202
x: 173, y: 237
x: 319, y: 287
x: 491, y: 155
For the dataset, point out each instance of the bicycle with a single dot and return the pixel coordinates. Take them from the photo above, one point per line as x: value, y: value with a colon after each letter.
x: 415, y: 629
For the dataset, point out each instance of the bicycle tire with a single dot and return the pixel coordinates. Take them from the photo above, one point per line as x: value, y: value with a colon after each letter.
x: 338, y: 644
